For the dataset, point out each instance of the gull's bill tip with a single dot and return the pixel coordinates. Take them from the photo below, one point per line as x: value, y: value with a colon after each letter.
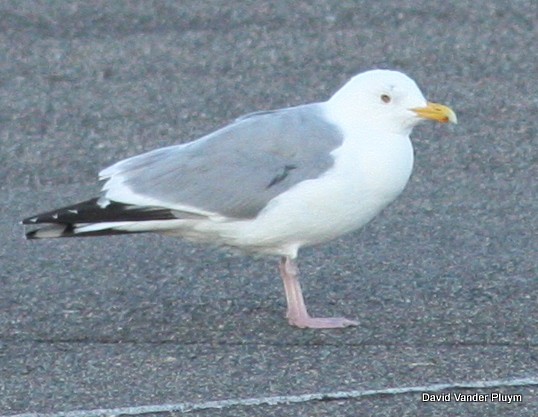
x: 437, y: 112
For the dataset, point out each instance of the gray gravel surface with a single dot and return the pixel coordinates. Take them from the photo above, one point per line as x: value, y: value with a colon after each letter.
x: 443, y: 282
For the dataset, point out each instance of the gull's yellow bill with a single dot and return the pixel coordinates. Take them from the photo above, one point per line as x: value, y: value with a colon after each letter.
x: 437, y: 112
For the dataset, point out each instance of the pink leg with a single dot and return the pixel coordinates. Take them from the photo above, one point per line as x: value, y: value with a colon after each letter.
x: 297, y: 314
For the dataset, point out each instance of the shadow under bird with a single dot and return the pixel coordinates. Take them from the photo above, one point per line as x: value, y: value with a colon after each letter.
x: 269, y: 183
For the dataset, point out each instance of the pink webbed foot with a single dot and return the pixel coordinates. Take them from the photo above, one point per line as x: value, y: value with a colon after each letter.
x: 321, y: 322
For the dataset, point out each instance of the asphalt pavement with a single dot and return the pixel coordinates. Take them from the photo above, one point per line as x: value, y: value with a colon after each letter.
x: 443, y: 282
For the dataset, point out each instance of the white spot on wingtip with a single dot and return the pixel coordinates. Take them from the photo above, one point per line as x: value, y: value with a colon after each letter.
x: 73, y: 211
x: 33, y: 219
x: 55, y: 216
x: 103, y: 202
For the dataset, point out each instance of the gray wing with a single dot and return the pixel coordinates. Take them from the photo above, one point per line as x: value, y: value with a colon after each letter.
x: 236, y: 170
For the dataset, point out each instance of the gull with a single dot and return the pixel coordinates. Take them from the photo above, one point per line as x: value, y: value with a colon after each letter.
x: 269, y: 183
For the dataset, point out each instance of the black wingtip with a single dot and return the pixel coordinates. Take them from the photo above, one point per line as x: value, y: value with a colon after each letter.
x: 31, y: 235
x: 50, y: 231
x: 29, y: 220
x: 69, y: 230
x: 91, y: 211
x: 66, y: 221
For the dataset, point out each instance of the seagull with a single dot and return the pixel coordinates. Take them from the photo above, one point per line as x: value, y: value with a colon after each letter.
x: 269, y: 183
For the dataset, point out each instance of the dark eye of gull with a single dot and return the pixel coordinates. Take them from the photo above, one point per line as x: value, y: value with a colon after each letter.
x: 385, y: 98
